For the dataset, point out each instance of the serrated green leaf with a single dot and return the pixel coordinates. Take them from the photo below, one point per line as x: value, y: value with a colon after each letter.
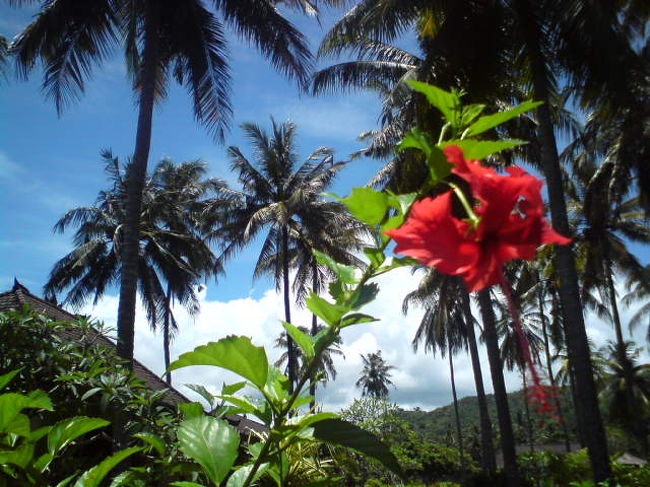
x: 356, y: 318
x: 238, y: 478
x: 416, y: 139
x: 68, y: 430
x: 345, y: 273
x: 349, y: 435
x: 203, y: 392
x: 448, y: 103
x: 234, y: 353
x: 277, y: 388
x: 490, y: 121
x: 304, y: 341
x: 375, y: 256
x: 364, y: 295
x: 337, y: 290
x: 191, y: 409
x: 470, y: 112
x: 367, y: 205
x: 326, y: 311
x: 232, y: 388
x: 402, y: 202
x: 241, y: 402
x: 210, y: 442
x: 95, y: 476
x: 480, y: 149
x: 154, y: 441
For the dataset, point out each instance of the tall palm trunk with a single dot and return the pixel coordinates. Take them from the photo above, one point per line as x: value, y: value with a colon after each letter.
x: 130, y: 254
x: 459, y: 433
x: 488, y: 460
x: 500, y: 393
x: 549, y: 368
x: 166, y: 334
x: 314, y: 329
x: 529, y: 422
x: 291, y: 348
x: 576, y: 336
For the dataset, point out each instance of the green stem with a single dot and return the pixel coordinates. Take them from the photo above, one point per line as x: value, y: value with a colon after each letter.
x: 471, y: 215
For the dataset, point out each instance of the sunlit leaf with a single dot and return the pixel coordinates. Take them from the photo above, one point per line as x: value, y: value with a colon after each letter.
x: 234, y: 353
x: 490, y: 121
x: 210, y: 442
x: 344, y: 433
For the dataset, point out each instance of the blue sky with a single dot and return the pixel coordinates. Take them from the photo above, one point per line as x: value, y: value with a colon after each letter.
x: 49, y: 164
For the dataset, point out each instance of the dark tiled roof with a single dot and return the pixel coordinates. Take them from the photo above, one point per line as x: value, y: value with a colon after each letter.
x: 19, y: 296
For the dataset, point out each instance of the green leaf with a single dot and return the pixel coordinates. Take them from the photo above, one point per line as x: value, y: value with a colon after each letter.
x: 306, y: 420
x: 364, y: 295
x: 304, y: 341
x: 69, y: 430
x: 392, y: 223
x: 184, y: 483
x: 367, y: 205
x: 191, y: 409
x: 349, y: 435
x: 345, y: 273
x: 356, y: 318
x: 470, y: 112
x: 154, y: 441
x: 480, y: 149
x: 233, y: 353
x: 489, y: 121
x: 448, y: 103
x: 95, y: 476
x: 21, y: 456
x: 6, y: 378
x: 66, y: 481
x: 417, y: 139
x: 238, y: 478
x: 375, y: 256
x: 210, y: 442
x: 241, y: 402
x: 328, y: 312
x: 12, y: 403
x: 203, y: 392
x: 402, y: 202
x: 277, y: 388
x: 232, y: 388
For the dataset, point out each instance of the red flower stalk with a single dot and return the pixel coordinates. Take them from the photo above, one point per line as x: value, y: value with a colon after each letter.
x: 510, y: 225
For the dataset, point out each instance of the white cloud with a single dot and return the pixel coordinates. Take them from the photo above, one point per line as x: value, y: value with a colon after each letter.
x: 421, y: 380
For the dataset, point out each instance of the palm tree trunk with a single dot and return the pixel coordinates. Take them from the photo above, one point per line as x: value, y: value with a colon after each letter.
x: 459, y: 433
x: 500, y: 393
x: 166, y: 341
x: 529, y: 422
x: 549, y: 368
x: 576, y: 336
x: 291, y: 349
x: 314, y: 329
x: 135, y: 185
x: 488, y: 460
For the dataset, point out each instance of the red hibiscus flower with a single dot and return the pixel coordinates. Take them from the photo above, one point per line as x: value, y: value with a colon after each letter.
x: 511, y: 225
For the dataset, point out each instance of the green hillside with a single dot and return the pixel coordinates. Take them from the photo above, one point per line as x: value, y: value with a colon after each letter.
x: 438, y: 425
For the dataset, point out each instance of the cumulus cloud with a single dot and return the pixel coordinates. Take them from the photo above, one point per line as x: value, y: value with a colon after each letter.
x: 421, y: 380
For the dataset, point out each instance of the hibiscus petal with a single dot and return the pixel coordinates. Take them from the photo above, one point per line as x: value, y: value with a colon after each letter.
x: 435, y: 238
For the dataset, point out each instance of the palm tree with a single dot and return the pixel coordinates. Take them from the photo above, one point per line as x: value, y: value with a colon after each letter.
x: 160, y: 39
x: 448, y: 327
x: 490, y: 336
x: 284, y: 198
x: 529, y: 42
x: 375, y: 376
x: 324, y: 371
x: 639, y: 290
x: 627, y: 403
x: 172, y: 258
